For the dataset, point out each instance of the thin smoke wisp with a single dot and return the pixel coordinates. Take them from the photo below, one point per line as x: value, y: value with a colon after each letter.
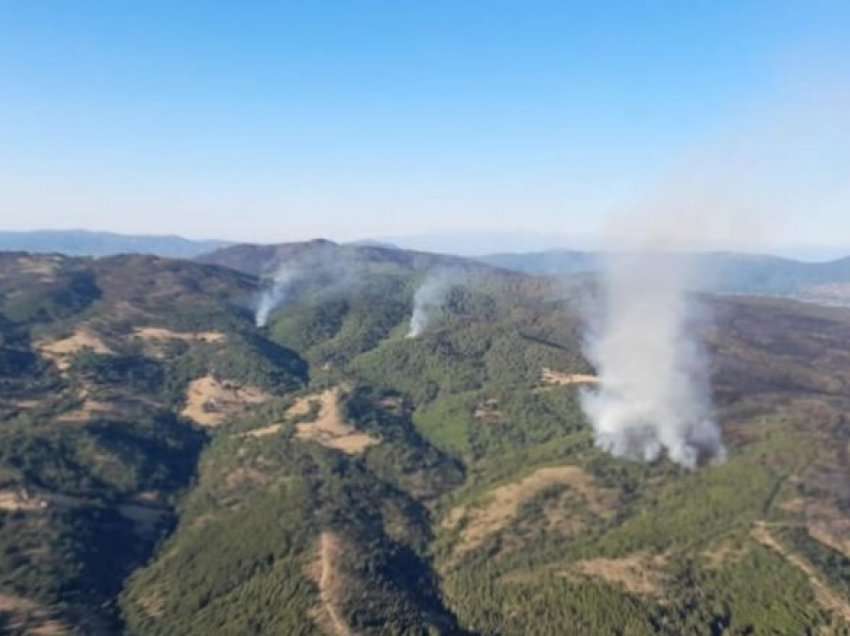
x: 653, y: 395
x: 274, y: 295
x: 428, y: 301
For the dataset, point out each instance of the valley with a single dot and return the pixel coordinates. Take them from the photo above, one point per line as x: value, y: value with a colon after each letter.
x: 168, y: 467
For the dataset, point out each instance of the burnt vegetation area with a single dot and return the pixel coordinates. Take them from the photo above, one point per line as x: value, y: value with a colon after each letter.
x: 167, y: 467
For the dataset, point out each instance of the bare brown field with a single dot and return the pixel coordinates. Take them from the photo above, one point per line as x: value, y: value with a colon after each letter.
x: 61, y: 351
x: 558, y: 378
x: 638, y: 573
x: 209, y: 401
x: 329, y: 428
x: 331, y: 583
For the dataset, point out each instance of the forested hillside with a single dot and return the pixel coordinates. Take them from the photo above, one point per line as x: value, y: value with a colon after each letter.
x: 168, y: 467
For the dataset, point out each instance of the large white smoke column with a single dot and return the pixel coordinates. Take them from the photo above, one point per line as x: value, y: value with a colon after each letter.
x: 653, y: 394
x: 274, y: 296
x: 428, y: 300
x: 777, y: 175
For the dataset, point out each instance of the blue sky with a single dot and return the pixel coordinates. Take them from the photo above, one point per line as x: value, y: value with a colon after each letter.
x: 280, y: 121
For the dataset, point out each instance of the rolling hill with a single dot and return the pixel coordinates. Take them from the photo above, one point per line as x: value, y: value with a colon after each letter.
x: 168, y: 467
x: 338, y: 259
x: 720, y: 272
x: 87, y: 243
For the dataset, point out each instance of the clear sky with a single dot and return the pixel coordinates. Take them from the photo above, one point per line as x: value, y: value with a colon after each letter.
x: 271, y: 121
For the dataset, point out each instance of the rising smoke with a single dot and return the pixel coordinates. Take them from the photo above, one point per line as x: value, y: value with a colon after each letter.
x: 653, y: 394
x: 429, y: 299
x: 275, y: 295
x: 320, y: 267
x: 741, y: 191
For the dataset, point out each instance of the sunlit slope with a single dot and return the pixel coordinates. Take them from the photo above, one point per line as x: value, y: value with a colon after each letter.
x: 168, y: 467
x: 96, y: 361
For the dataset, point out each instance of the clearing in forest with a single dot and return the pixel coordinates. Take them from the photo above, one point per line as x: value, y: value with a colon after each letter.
x: 638, y: 573
x: 330, y: 428
x: 160, y: 333
x: 61, y: 351
x: 18, y: 500
x: 559, y: 378
x: 209, y: 402
x: 265, y: 431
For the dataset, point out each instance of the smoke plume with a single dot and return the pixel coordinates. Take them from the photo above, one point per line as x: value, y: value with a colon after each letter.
x: 428, y: 300
x: 274, y: 295
x: 784, y: 161
x: 653, y: 394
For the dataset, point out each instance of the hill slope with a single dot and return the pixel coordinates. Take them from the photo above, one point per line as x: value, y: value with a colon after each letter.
x: 168, y: 467
x: 265, y: 260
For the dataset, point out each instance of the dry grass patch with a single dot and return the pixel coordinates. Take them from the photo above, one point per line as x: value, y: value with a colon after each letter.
x: 302, y: 406
x: 330, y: 428
x: 332, y: 584
x: 265, y: 431
x: 638, y: 573
x: 159, y: 333
x: 502, y: 504
x: 152, y: 604
x: 825, y: 595
x: 61, y: 351
x: 157, y: 339
x: 209, y: 402
x: 20, y: 500
x: 559, y: 378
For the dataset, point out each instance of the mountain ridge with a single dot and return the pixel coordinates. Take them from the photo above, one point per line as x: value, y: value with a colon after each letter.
x: 97, y: 243
x: 167, y: 466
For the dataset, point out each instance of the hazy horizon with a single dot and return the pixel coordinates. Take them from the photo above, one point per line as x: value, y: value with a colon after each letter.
x: 364, y: 121
x: 473, y: 244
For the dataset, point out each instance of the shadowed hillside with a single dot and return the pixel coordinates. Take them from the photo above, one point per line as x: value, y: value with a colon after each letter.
x: 168, y: 467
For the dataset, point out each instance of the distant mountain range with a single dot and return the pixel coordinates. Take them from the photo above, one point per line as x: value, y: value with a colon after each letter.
x: 88, y: 243
x: 721, y: 272
x: 169, y: 467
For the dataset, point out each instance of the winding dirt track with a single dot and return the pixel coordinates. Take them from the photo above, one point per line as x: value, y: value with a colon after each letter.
x: 825, y: 595
x: 329, y: 583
